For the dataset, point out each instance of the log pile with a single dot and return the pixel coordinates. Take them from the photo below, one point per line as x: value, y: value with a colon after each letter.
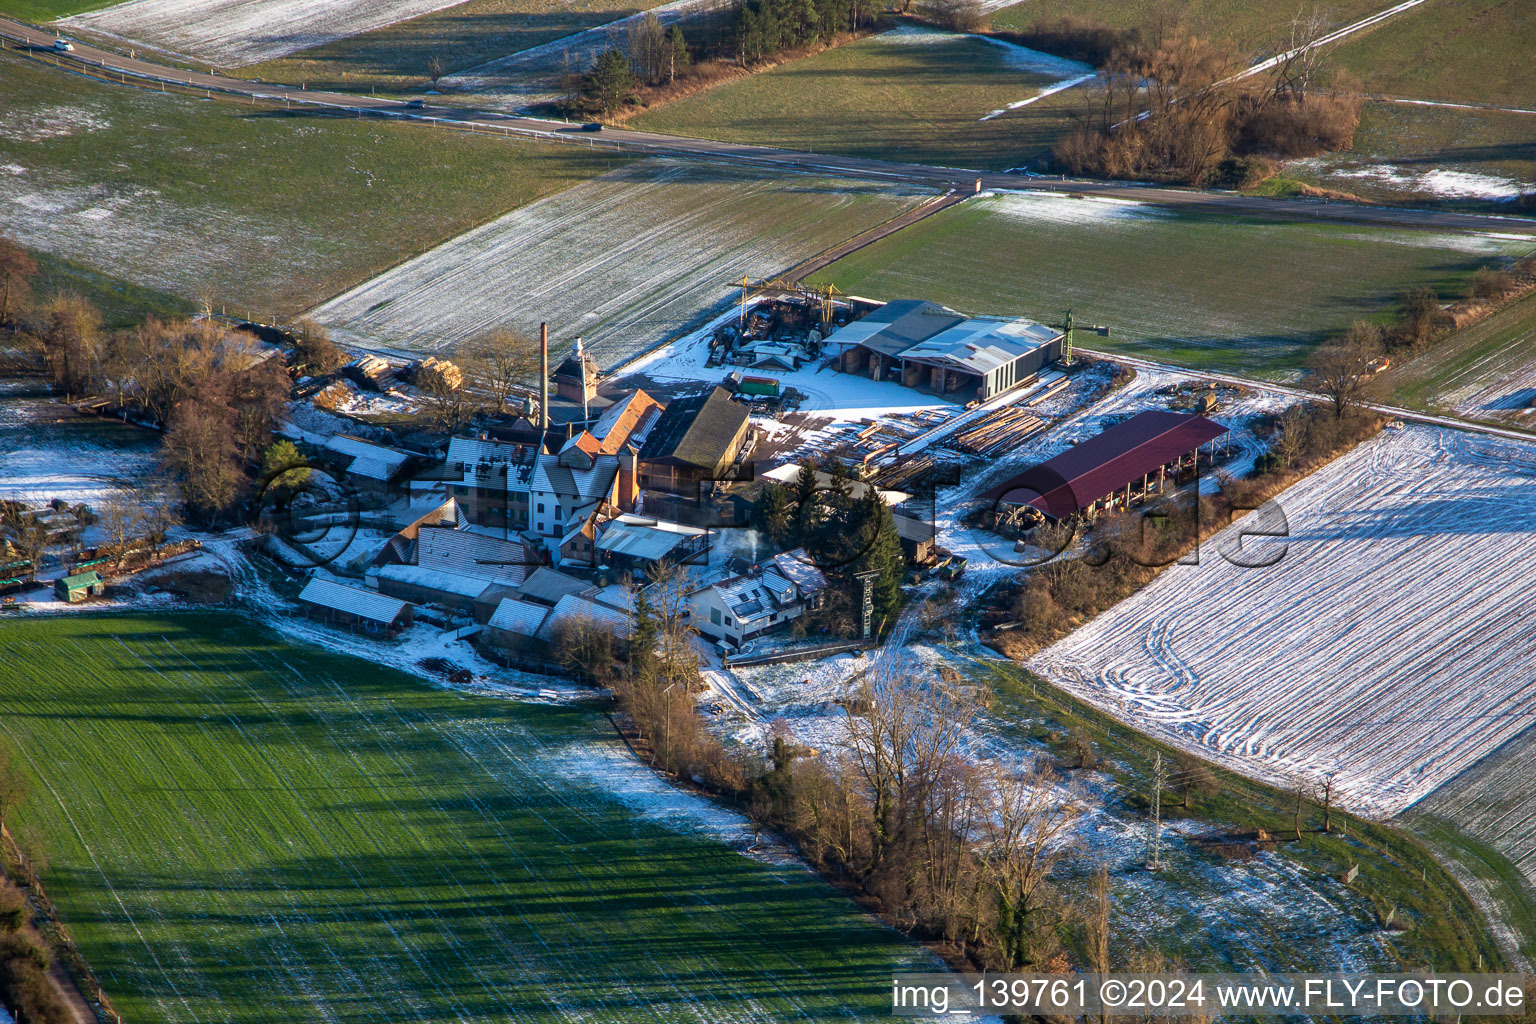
x: 1003, y: 430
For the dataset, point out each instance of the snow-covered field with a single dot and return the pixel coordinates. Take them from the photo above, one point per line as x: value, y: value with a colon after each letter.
x: 1388, y: 646
x: 622, y: 260
x: 47, y: 452
x: 232, y: 33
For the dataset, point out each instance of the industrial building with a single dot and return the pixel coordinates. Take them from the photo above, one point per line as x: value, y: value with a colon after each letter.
x: 929, y: 347
x: 1130, y: 460
x: 697, y: 439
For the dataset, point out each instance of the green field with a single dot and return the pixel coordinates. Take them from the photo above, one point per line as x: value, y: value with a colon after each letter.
x: 1225, y: 292
x: 1249, y: 26
x: 1486, y: 371
x: 241, y: 830
x: 1398, y: 144
x: 43, y: 11
x: 395, y: 58
x: 272, y: 210
x: 907, y: 95
x: 1458, y: 50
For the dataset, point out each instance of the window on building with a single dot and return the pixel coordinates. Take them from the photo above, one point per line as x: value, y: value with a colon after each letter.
x: 714, y: 616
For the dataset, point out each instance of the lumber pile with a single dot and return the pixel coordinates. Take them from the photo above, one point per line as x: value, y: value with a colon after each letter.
x: 436, y: 374
x: 1005, y: 429
x: 895, y: 478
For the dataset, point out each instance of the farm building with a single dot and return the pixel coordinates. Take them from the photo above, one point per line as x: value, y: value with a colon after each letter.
x: 917, y: 538
x: 514, y: 627
x: 371, y: 467
x: 1130, y: 460
x: 928, y: 347
x: 696, y: 440
x: 638, y: 542
x: 545, y: 586
x: 79, y: 587
x: 355, y: 608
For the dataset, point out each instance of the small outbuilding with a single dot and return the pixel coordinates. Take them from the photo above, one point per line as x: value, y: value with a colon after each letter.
x: 355, y: 608
x: 79, y: 587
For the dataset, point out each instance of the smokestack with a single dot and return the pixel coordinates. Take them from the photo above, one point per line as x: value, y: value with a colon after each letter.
x: 543, y: 380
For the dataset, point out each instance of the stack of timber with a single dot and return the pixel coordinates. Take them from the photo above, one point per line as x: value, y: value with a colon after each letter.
x: 1006, y: 429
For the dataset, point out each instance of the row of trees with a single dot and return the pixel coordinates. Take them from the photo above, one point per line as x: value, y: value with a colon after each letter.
x: 763, y: 28
x: 843, y: 535
x: 1170, y: 106
x: 951, y: 849
x: 1344, y: 368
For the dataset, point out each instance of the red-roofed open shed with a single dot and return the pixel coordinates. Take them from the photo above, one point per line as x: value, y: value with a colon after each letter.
x: 1128, y: 455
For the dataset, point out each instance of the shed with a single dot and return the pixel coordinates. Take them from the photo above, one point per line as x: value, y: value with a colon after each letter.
x: 1123, y: 462
x: 79, y: 587
x: 355, y: 608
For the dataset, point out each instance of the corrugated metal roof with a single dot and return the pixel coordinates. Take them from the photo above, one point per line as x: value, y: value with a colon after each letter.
x: 571, y: 606
x: 472, y: 554
x: 1101, y: 465
x: 518, y: 617
x: 981, y: 346
x: 896, y: 326
x: 84, y: 579
x: 634, y: 541
x: 339, y: 597
x: 369, y: 460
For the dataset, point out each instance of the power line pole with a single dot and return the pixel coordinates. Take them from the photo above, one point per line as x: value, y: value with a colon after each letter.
x: 1155, y: 822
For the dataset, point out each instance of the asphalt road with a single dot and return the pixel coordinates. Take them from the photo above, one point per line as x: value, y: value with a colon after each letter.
x: 108, y: 63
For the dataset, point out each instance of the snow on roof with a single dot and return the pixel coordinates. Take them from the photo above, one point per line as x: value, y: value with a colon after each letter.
x: 549, y: 477
x: 548, y: 586
x: 896, y: 326
x: 473, y: 451
x: 797, y: 567
x: 518, y: 616
x: 434, y: 579
x: 637, y: 540
x: 572, y: 606
x: 981, y: 346
x: 471, y: 553
x: 627, y: 421
x: 365, y: 604
x: 373, y: 461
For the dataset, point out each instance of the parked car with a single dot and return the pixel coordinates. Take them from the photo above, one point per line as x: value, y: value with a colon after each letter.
x: 64, y: 46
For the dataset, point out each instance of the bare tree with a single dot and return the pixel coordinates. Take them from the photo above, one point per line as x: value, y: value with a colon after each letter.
x: 1341, y: 369
x: 1029, y: 837
x: 1098, y: 929
x: 120, y: 516
x: 434, y: 69
x: 1302, y: 58
x: 646, y: 45
x: 502, y: 361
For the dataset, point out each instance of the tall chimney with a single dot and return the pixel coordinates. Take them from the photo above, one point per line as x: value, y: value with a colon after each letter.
x: 543, y: 380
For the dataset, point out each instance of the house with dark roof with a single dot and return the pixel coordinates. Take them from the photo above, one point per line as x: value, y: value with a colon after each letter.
x: 697, y: 439
x: 1129, y: 461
